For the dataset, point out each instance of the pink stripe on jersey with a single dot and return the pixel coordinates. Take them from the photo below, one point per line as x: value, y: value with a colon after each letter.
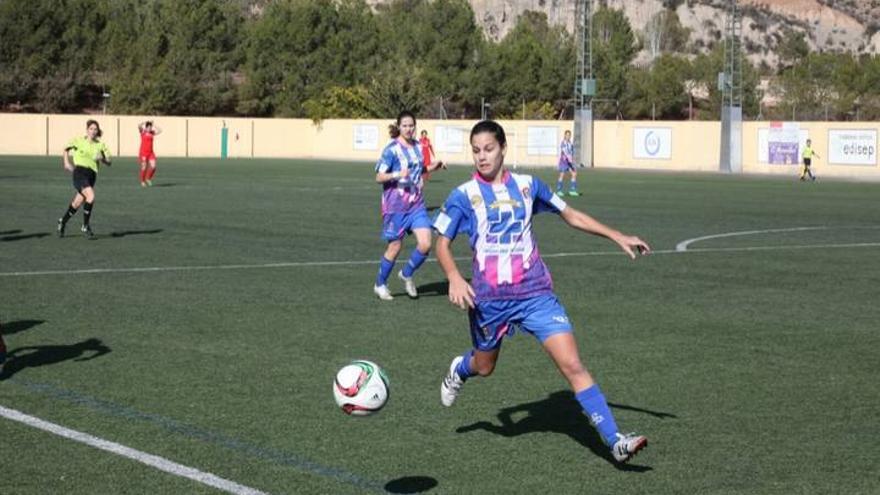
x: 491, y: 271
x: 516, y: 262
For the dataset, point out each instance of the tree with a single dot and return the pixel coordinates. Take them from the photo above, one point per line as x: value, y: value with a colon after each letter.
x: 614, y: 48
x: 659, y: 91
x: 665, y: 34
x: 298, y: 48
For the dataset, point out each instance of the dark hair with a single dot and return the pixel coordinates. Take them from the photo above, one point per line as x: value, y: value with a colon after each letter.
x: 148, y: 123
x: 491, y: 127
x: 394, y: 129
x: 93, y: 121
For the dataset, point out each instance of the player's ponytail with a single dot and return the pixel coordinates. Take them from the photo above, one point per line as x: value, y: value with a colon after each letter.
x: 394, y: 131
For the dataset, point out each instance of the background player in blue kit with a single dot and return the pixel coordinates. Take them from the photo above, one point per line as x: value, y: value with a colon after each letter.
x: 511, y: 287
x: 566, y: 164
x: 400, y: 170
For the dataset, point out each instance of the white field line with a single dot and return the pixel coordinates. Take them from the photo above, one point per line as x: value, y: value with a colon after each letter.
x: 683, y: 245
x: 155, y: 461
x: 295, y: 264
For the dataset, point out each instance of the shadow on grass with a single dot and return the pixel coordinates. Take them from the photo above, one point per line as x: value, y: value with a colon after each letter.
x: 10, y: 232
x: 164, y: 184
x: 13, y: 327
x: 41, y: 355
x: 134, y: 232
x: 9, y: 237
x: 411, y: 484
x: 434, y: 289
x: 558, y: 413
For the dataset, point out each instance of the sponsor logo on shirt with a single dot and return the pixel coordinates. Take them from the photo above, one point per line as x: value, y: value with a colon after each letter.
x: 476, y: 200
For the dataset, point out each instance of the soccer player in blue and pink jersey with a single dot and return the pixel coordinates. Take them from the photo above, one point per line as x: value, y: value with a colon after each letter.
x: 400, y: 170
x: 511, y: 287
x: 566, y: 164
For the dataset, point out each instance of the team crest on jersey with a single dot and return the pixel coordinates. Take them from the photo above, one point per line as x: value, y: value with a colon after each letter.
x: 476, y: 200
x: 526, y: 192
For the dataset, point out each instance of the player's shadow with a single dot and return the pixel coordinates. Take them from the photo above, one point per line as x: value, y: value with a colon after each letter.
x: 16, y: 326
x: 411, y: 484
x: 124, y: 233
x: 13, y: 235
x: 164, y: 184
x: 10, y: 232
x: 41, y: 355
x: 558, y: 413
x: 434, y: 289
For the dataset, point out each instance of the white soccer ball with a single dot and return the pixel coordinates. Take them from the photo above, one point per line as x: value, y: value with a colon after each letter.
x: 361, y: 388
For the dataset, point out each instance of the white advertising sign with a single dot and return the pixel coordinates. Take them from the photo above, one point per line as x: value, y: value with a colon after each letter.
x: 852, y: 147
x: 543, y: 140
x: 653, y: 143
x: 366, y: 137
x: 448, y: 139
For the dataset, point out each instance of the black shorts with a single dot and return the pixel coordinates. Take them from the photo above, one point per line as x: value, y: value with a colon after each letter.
x: 807, y: 162
x: 83, y: 178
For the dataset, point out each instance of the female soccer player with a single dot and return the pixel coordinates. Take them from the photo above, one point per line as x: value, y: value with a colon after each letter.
x: 146, y: 156
x: 427, y: 151
x: 88, y: 152
x: 511, y: 287
x: 400, y: 170
x: 566, y: 164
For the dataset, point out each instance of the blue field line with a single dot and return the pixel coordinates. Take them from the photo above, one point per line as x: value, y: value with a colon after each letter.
x: 219, y: 439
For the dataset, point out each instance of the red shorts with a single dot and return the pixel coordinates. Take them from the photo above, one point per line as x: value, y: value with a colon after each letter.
x: 145, y: 157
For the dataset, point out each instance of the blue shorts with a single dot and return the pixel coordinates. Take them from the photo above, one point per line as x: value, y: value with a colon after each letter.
x: 565, y: 166
x: 541, y: 316
x: 396, y: 225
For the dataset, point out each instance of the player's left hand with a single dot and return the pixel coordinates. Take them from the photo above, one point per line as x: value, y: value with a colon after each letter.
x: 632, y: 245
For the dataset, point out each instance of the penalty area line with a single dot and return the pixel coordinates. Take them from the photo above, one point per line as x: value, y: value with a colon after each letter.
x: 151, y: 460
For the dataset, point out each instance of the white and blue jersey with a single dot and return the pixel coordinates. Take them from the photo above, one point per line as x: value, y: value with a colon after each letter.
x: 498, y: 221
x: 403, y: 195
x: 566, y: 155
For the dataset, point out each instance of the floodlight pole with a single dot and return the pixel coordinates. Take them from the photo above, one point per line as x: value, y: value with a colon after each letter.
x: 584, y: 84
x: 730, y: 83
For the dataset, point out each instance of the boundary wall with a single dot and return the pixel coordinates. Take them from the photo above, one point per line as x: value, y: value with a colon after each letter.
x: 845, y: 149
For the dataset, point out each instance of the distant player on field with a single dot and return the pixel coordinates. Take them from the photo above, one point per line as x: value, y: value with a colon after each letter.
x: 146, y: 155
x: 808, y: 155
x: 88, y: 152
x: 566, y: 164
x: 427, y: 152
x: 511, y: 288
x: 400, y: 170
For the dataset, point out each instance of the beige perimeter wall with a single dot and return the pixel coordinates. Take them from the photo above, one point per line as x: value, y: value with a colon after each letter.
x: 654, y: 145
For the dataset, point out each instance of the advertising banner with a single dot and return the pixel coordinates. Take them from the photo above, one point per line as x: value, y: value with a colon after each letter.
x: 852, y: 147
x: 782, y: 143
x: 652, y: 143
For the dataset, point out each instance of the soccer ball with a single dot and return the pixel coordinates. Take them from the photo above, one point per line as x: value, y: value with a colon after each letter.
x: 360, y: 388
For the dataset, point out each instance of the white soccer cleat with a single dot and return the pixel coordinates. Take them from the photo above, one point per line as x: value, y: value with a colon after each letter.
x: 409, y: 285
x: 382, y: 292
x: 451, y: 384
x: 627, y: 446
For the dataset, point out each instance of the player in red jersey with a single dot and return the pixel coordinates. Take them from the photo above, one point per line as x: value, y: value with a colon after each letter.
x: 427, y: 153
x: 146, y: 156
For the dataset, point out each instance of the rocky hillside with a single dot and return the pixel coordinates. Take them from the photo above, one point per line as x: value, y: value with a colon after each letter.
x: 829, y: 25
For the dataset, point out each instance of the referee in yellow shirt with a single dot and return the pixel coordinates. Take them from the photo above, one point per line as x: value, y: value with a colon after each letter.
x: 808, y: 155
x: 87, y: 152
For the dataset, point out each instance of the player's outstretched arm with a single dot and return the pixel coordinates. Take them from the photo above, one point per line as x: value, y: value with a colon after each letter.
x: 630, y: 244
x: 461, y: 293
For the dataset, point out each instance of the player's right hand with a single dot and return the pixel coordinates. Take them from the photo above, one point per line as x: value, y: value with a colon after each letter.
x: 461, y: 293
